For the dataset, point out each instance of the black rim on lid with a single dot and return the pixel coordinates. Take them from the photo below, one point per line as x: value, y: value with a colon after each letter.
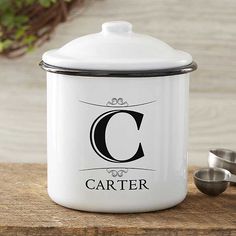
x: 116, y: 73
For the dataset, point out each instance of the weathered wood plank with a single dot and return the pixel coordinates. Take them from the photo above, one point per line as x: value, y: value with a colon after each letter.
x: 27, y: 210
x: 206, y: 30
x: 23, y: 124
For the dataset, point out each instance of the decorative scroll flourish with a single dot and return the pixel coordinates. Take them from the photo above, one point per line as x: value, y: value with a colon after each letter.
x: 117, y: 102
x: 117, y: 173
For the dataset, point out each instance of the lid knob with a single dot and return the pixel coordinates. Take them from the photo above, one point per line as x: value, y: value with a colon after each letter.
x: 116, y: 27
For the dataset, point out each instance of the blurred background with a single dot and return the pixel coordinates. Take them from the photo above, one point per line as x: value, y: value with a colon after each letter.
x: 205, y: 29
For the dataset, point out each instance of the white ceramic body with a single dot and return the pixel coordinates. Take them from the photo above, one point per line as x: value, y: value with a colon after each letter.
x: 81, y: 176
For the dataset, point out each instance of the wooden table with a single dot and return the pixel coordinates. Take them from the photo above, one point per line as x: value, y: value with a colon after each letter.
x: 25, y: 209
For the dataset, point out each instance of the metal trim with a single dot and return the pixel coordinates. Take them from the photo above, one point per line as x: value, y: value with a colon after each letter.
x: 126, y: 73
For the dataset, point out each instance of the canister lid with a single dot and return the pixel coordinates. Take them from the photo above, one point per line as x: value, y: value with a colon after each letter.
x: 117, y: 49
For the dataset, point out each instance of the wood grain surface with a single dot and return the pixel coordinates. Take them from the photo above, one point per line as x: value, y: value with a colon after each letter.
x: 25, y: 209
x: 206, y: 29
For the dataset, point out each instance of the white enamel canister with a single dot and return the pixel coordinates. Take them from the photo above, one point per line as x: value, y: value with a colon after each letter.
x: 117, y: 122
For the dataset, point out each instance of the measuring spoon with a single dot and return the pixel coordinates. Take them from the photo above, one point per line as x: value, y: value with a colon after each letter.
x: 213, y: 181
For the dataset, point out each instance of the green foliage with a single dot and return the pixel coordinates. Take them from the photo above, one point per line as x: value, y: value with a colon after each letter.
x: 14, y: 22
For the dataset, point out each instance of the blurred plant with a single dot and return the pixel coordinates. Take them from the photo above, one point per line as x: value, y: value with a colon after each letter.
x: 25, y: 24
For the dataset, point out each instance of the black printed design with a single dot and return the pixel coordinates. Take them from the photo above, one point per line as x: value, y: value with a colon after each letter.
x: 97, y: 135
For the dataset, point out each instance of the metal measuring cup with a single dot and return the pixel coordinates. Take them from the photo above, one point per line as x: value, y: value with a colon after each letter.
x: 223, y: 158
x: 213, y: 181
